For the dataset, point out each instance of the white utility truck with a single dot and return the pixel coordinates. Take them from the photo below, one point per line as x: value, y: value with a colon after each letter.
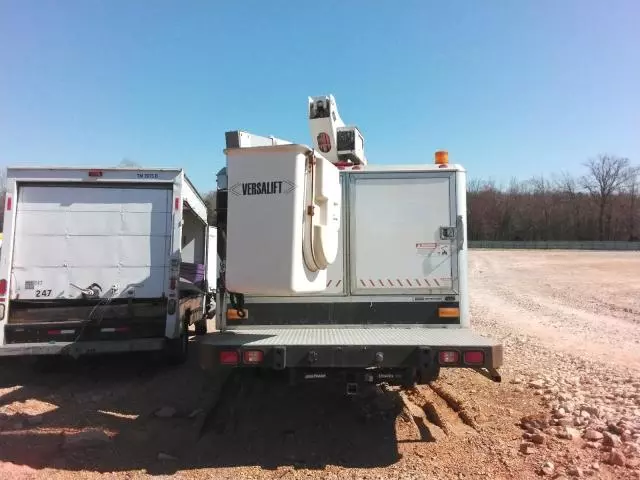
x: 104, y: 261
x: 335, y: 269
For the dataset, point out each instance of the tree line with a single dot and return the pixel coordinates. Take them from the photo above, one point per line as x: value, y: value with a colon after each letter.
x: 601, y: 204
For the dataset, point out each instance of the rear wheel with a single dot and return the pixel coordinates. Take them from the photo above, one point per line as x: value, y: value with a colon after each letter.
x: 201, y: 326
x: 45, y: 363
x: 177, y: 350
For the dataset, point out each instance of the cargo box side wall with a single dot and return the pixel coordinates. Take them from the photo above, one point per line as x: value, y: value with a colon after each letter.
x: 193, y: 238
x: 462, y: 247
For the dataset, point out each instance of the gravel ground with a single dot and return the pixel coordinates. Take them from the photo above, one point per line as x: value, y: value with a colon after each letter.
x: 568, y: 407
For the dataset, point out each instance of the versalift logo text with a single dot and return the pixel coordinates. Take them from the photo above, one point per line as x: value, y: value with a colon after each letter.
x: 272, y: 187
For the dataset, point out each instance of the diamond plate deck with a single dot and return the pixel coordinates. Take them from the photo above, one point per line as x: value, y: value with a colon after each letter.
x: 436, y: 337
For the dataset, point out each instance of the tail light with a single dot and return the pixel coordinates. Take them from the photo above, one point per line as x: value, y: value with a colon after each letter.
x: 474, y: 358
x: 9, y: 203
x: 114, y: 329
x: 234, y: 314
x: 229, y: 357
x: 3, y: 287
x: 448, y: 312
x: 95, y: 173
x: 448, y: 357
x: 252, y: 356
x: 61, y: 332
x: 172, y: 283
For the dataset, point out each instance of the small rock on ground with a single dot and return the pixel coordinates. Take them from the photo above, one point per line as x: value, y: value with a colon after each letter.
x: 34, y: 420
x: 617, y: 458
x: 86, y: 439
x: 166, y: 412
x: 593, y: 435
x: 547, y: 468
x: 166, y: 457
x: 527, y: 448
x: 538, y: 439
x: 575, y: 472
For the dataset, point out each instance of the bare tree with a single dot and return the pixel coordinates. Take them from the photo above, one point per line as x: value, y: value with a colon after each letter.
x: 607, y: 175
x: 571, y: 193
x: 210, y: 202
x: 633, y: 190
x: 474, y: 185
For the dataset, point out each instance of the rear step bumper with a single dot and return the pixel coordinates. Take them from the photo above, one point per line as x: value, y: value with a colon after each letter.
x: 353, y: 348
x: 81, y: 348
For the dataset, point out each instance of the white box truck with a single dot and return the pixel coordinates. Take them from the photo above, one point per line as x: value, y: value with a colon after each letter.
x: 395, y: 304
x: 104, y: 260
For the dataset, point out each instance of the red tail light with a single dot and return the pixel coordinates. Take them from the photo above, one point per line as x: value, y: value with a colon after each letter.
x: 177, y: 204
x: 448, y: 357
x: 252, y: 356
x: 9, y: 203
x: 3, y: 287
x: 172, y: 283
x: 61, y: 332
x: 229, y: 357
x: 95, y: 173
x: 474, y: 358
x: 114, y: 329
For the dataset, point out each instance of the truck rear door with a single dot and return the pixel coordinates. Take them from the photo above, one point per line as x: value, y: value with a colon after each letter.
x: 69, y: 237
x: 401, y: 240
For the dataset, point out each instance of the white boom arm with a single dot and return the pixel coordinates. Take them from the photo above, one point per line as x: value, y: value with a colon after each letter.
x: 339, y: 143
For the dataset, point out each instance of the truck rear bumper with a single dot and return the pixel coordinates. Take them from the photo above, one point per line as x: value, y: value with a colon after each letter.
x: 365, y: 348
x: 81, y: 348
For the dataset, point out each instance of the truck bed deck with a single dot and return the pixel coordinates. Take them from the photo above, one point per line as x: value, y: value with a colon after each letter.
x: 383, y: 347
x: 389, y: 336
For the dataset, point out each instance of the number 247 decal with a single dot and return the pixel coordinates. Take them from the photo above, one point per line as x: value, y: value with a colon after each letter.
x: 43, y: 293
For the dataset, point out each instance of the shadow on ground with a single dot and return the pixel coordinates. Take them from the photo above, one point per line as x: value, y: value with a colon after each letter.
x: 259, y: 421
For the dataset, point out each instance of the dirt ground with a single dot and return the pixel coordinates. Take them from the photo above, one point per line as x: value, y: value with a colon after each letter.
x: 568, y: 405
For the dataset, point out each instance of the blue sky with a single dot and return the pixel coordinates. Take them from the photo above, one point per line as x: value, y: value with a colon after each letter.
x: 510, y: 88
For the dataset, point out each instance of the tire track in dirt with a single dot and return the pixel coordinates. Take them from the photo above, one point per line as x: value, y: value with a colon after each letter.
x: 436, y: 414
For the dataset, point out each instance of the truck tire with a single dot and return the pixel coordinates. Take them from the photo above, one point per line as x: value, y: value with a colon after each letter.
x: 45, y: 363
x: 201, y: 326
x: 177, y: 349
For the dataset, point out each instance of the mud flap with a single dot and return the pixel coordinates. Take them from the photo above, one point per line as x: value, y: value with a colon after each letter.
x: 428, y: 368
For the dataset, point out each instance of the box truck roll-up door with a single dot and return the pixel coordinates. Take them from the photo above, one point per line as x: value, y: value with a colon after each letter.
x: 70, y: 237
x: 396, y: 233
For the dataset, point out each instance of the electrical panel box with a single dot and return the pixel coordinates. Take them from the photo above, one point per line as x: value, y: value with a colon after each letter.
x: 350, y: 145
